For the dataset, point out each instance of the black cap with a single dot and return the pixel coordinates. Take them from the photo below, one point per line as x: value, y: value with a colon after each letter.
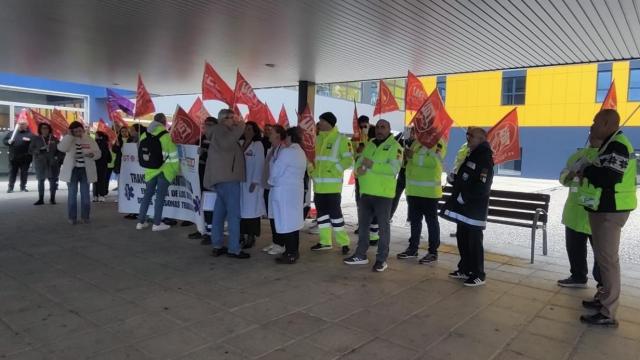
x: 363, y: 119
x: 330, y: 118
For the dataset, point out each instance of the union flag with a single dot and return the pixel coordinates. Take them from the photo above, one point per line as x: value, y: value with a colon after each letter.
x: 184, y: 130
x: 107, y: 130
x: 415, y: 95
x: 386, y: 100
x: 356, y: 127
x: 198, y: 112
x: 214, y: 87
x: 244, y: 94
x: 504, y: 138
x: 144, y: 104
x: 431, y: 122
x: 59, y: 123
x: 283, y: 119
x: 611, y: 100
x: 308, y: 127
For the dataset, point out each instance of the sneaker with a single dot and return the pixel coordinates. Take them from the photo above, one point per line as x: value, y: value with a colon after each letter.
x: 345, y: 250
x: 39, y: 202
x: 161, y: 227
x: 9, y: 191
x: 195, y: 235
x: 95, y: 199
x: 571, y: 282
x: 267, y: 248
x: 474, y: 281
x: 101, y: 199
x: 380, y: 266
x: 592, y: 304
x: 429, y: 258
x: 217, y: 252
x: 276, y: 250
x: 141, y: 226
x: 407, y: 254
x: 321, y: 247
x: 458, y: 275
x: 287, y: 259
x: 240, y: 255
x: 131, y: 216
x: 599, y: 320
x: 24, y: 190
x: 355, y: 260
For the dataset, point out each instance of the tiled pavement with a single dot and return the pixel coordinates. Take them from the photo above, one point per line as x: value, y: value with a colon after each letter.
x: 106, y: 291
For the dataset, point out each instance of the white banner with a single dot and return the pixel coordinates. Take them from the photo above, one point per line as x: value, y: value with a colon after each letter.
x: 184, y: 199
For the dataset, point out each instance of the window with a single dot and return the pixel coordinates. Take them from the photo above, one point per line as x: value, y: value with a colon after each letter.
x: 347, y: 91
x: 513, y: 87
x: 513, y: 168
x: 441, y: 85
x: 603, y: 81
x: 634, y: 80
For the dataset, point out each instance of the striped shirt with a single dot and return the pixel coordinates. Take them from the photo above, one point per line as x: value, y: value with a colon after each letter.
x: 79, y: 156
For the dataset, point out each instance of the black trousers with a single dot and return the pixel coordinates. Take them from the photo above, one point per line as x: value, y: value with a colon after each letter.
x: 329, y: 209
x: 250, y: 226
x: 53, y: 186
x: 101, y: 186
x: 275, y: 237
x: 23, y: 167
x: 577, y: 251
x: 400, y: 186
x: 426, y: 208
x: 291, y: 242
x: 471, y: 251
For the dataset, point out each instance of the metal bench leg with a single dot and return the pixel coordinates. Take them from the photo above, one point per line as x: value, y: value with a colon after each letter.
x: 544, y: 240
x: 533, y: 243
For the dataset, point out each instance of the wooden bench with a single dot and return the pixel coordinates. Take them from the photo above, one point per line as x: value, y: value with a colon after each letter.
x: 528, y: 210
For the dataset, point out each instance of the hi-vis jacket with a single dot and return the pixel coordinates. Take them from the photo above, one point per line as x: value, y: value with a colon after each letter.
x: 424, y: 171
x: 333, y: 156
x: 380, y: 179
x: 171, y: 166
x: 574, y: 216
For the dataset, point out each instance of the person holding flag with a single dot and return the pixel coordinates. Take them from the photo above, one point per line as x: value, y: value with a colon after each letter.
x: 365, y: 133
x: 376, y: 170
x: 333, y: 156
x: 46, y: 161
x: 18, y: 142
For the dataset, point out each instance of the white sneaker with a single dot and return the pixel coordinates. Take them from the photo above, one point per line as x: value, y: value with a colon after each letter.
x: 267, y: 248
x: 276, y: 250
x: 141, y: 226
x: 95, y: 199
x: 160, y: 227
x: 101, y: 199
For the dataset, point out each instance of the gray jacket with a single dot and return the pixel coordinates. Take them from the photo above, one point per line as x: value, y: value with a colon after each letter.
x: 46, y: 159
x: 225, y: 159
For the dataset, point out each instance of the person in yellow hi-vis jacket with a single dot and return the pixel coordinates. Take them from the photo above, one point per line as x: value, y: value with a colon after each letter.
x: 367, y: 133
x: 376, y: 170
x: 608, y: 192
x: 333, y: 157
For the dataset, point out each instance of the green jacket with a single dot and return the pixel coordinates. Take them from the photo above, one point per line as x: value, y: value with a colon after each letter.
x: 574, y: 216
x: 333, y: 156
x: 424, y: 171
x: 380, y: 179
x: 171, y: 166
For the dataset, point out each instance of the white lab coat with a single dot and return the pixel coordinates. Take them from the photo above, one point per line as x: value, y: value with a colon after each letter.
x: 286, y: 197
x: 252, y: 203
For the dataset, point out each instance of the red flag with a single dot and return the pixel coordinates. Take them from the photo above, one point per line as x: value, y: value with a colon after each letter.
x: 144, y: 104
x: 415, y: 95
x: 431, y: 122
x: 236, y: 110
x: 386, y: 100
x: 283, y: 119
x: 244, y: 93
x: 356, y: 127
x: 198, y: 112
x: 259, y: 115
x: 611, y: 100
x: 214, y: 87
x: 107, y: 130
x: 26, y: 116
x: 58, y: 123
x: 504, y: 138
x: 184, y: 130
x: 39, y: 118
x: 308, y: 128
x: 117, y: 120
x: 271, y: 120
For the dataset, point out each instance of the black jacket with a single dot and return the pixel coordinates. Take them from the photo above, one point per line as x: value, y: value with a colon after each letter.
x: 614, y: 160
x: 105, y: 159
x: 19, y: 149
x: 472, y: 187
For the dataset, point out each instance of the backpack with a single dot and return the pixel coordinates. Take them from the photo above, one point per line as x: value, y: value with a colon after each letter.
x: 150, y: 151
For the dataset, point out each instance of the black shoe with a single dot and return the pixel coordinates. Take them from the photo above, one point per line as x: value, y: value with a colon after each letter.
x: 320, y: 247
x: 356, y: 231
x: 240, y: 255
x: 373, y: 242
x: 218, y: 252
x: 474, y: 281
x: 355, y: 260
x: 9, y: 191
x: 170, y: 222
x: 249, y: 242
x: 287, y: 259
x: 24, y: 190
x: 407, y: 254
x: 458, y: 275
x: 206, y: 240
x: 52, y: 201
x: 195, y: 235
x: 428, y: 259
x: 592, y: 304
x: 379, y: 266
x: 571, y: 282
x: 131, y: 216
x: 186, y: 223
x: 599, y: 319
x: 345, y: 250
x: 39, y: 202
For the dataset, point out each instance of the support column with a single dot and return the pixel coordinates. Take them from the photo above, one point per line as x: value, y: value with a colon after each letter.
x: 306, y: 95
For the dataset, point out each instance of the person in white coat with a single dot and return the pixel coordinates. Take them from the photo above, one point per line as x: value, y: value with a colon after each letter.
x: 252, y: 206
x: 286, y: 198
x: 78, y: 169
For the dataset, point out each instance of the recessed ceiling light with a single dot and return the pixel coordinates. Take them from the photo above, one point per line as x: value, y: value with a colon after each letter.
x: 115, y: 84
x: 270, y: 65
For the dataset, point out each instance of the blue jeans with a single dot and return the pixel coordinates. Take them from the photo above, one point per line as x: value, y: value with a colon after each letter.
x: 227, y: 207
x: 78, y: 177
x: 159, y: 186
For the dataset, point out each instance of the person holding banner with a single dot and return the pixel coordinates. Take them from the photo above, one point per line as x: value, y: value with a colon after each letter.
x: 224, y: 173
x: 376, y: 170
x: 158, y: 178
x: 46, y: 161
x: 78, y: 169
x: 252, y: 206
x: 468, y: 207
x: 18, y: 142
